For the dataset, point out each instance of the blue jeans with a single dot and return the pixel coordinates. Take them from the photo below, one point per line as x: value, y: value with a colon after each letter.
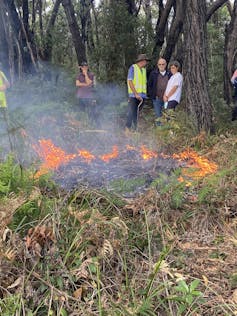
x: 158, y: 106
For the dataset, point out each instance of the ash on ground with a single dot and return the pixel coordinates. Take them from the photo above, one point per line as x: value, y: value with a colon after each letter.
x: 127, y: 175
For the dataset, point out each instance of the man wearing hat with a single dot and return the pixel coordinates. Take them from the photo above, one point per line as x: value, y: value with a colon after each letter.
x: 4, y: 84
x: 137, y: 89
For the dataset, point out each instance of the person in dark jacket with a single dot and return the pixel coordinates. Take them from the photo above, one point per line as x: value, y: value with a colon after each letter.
x: 157, y: 83
x: 234, y: 82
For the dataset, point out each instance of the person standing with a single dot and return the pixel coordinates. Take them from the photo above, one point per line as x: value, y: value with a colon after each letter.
x: 4, y: 84
x: 234, y: 82
x: 173, y: 90
x: 137, y: 90
x: 85, y: 93
x: 157, y: 83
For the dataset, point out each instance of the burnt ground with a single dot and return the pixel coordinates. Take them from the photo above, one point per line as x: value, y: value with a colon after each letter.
x: 128, y: 175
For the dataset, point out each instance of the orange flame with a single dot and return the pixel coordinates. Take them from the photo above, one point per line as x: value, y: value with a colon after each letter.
x: 53, y: 156
x: 86, y: 155
x: 147, y: 154
x: 112, y: 155
x: 203, y: 165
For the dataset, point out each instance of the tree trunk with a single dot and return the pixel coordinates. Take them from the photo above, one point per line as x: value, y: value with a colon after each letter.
x: 48, y: 44
x: 161, y: 27
x: 175, y: 30
x: 73, y: 26
x: 230, y: 54
x: 23, y: 46
x: 197, y: 98
x: 3, y: 38
x: 213, y: 7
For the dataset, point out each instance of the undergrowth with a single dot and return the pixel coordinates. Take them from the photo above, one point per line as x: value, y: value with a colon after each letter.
x: 168, y: 251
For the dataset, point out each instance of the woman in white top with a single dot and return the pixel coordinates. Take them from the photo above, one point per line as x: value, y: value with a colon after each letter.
x: 173, y: 90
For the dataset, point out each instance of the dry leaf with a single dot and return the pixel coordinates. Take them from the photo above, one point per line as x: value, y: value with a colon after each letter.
x: 107, y: 250
x: 234, y: 296
x: 205, y: 279
x: 16, y: 283
x: 78, y: 293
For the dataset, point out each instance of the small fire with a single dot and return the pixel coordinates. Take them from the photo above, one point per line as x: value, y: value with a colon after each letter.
x: 53, y: 157
x: 148, y: 154
x: 86, y: 155
x: 112, y: 155
x: 203, y: 165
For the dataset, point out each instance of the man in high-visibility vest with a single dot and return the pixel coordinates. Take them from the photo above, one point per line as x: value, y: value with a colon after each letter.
x: 137, y: 89
x: 4, y: 84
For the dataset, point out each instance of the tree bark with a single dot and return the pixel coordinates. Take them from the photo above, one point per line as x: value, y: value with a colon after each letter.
x: 3, y: 38
x: 215, y: 6
x: 195, y: 68
x: 161, y: 26
x: 74, y: 29
x: 48, y: 44
x: 23, y: 45
x: 175, y: 30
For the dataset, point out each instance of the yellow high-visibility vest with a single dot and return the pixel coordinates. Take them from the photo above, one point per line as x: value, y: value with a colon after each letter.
x: 3, y: 101
x: 139, y: 80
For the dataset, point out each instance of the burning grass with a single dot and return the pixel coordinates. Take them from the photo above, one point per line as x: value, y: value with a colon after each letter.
x: 132, y: 168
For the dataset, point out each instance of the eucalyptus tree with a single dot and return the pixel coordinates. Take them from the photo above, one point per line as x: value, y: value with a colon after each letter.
x: 197, y: 99
x: 74, y: 29
x: 21, y: 44
x: 46, y: 51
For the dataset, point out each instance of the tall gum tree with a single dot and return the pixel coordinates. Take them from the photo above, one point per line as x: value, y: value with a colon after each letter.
x: 74, y: 29
x: 195, y: 69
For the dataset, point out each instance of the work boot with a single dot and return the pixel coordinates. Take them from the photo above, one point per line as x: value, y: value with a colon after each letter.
x: 158, y: 122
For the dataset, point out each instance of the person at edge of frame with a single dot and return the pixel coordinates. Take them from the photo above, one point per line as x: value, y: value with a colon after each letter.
x: 234, y: 82
x: 4, y: 85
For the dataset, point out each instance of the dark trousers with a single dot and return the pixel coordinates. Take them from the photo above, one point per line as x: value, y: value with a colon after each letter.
x: 133, y: 111
x: 234, y: 111
x: 91, y: 108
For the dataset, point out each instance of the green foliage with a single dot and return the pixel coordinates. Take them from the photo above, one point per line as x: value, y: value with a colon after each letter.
x: 170, y: 184
x: 28, y: 215
x: 187, y: 296
x: 10, y: 305
x: 13, y: 178
x: 216, y: 37
x: 213, y: 189
x: 120, y: 36
x: 127, y: 185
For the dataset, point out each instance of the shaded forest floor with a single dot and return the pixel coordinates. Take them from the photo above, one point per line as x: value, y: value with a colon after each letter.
x: 130, y: 245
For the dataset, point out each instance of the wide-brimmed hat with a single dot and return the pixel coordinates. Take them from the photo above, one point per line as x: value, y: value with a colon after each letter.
x: 142, y: 57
